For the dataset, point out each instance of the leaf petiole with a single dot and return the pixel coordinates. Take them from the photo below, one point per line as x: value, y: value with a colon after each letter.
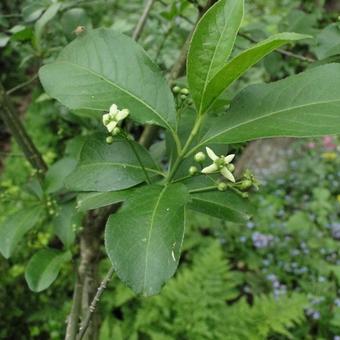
x: 204, y: 189
x: 137, y: 157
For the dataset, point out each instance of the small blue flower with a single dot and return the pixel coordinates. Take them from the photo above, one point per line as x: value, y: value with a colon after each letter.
x: 316, y: 315
x: 321, y: 279
x: 243, y: 239
x: 250, y: 225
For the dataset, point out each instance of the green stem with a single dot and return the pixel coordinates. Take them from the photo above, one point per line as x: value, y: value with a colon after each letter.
x: 177, y: 141
x: 212, y: 179
x: 195, y: 148
x: 183, y: 152
x: 237, y: 191
x: 186, y: 177
x: 138, y: 159
x: 210, y: 188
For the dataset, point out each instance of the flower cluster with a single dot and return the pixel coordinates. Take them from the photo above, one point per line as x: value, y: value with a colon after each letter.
x: 221, y: 164
x: 279, y: 289
x: 328, y: 143
x: 312, y: 313
x: 261, y: 240
x: 335, y: 228
x: 111, y: 119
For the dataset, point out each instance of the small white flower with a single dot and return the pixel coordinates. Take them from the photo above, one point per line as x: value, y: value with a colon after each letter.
x: 111, y: 119
x: 106, y: 118
x: 110, y: 126
x: 122, y: 114
x: 113, y: 109
x: 221, y: 164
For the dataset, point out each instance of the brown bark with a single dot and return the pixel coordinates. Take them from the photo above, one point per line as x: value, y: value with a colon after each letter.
x: 332, y: 5
x: 12, y: 121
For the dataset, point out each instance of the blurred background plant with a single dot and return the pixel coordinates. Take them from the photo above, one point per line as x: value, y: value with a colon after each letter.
x: 276, y: 277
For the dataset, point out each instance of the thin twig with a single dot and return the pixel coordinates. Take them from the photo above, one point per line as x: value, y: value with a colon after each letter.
x: 73, y: 318
x: 139, y: 160
x: 19, y: 133
x: 89, y: 249
x: 281, y: 51
x: 85, y: 324
x: 11, y: 154
x: 10, y: 15
x: 141, y: 23
x: 296, y: 56
x: 19, y: 86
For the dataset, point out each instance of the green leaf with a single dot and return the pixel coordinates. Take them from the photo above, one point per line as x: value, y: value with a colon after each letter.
x: 34, y: 188
x: 4, y: 39
x: 15, y: 227
x: 299, y: 223
x: 102, y: 67
x: 48, y: 15
x: 303, y: 105
x: 211, y: 45
x: 31, y: 11
x: 43, y: 268
x: 56, y: 174
x: 144, y: 239
x: 68, y: 219
x: 94, y: 200
x: 104, y: 167
x: 226, y: 205
x: 73, y: 18
x: 327, y: 42
x: 241, y: 63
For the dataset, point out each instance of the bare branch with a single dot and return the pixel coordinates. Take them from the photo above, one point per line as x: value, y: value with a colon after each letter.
x: 19, y: 133
x: 92, y: 308
x: 73, y: 318
x: 141, y: 23
x: 20, y: 86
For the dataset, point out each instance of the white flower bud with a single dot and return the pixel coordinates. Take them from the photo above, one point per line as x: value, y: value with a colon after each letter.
x: 231, y: 167
x: 109, y: 139
x: 199, y: 157
x: 222, y: 186
x: 193, y: 170
x: 245, y: 184
x: 176, y: 89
